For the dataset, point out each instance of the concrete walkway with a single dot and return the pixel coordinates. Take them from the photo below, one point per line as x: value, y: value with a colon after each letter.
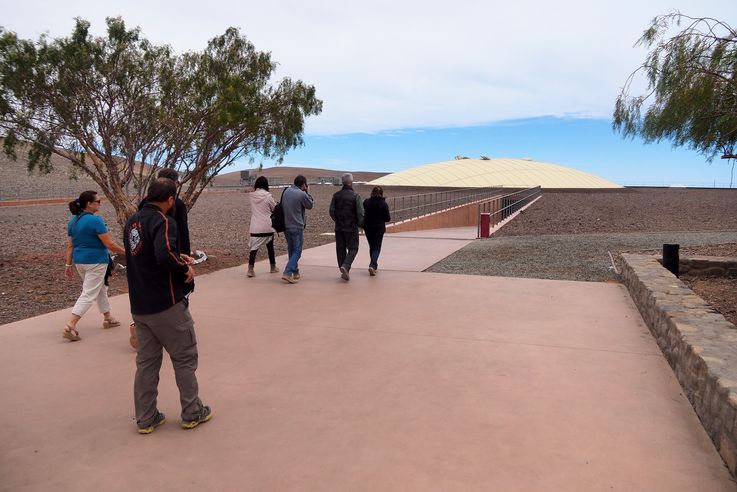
x: 405, y: 381
x: 403, y: 251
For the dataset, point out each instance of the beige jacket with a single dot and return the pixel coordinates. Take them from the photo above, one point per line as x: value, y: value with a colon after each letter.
x: 262, y: 204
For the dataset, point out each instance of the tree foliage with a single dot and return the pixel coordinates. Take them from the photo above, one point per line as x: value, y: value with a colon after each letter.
x: 110, y: 104
x: 691, y: 96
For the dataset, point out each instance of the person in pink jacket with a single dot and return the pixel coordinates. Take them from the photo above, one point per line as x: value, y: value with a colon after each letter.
x: 262, y: 204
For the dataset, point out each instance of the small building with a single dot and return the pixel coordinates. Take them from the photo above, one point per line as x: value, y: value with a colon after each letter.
x: 248, y: 178
x: 333, y: 180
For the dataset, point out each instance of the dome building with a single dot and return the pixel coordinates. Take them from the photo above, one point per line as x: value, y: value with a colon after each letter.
x: 494, y: 173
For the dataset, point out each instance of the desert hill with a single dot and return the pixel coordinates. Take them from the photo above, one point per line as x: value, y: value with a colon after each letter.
x: 288, y: 173
x: 16, y: 183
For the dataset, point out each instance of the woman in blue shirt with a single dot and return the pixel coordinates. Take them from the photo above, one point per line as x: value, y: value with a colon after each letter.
x: 88, y: 243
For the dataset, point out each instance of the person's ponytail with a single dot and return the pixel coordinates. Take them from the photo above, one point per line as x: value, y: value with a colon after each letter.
x: 78, y: 205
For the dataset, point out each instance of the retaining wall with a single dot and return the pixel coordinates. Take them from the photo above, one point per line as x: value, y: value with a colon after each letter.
x: 461, y: 216
x: 698, y: 342
x: 708, y: 266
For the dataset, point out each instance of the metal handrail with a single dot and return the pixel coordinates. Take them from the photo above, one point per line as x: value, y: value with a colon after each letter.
x: 408, y: 207
x: 501, y: 207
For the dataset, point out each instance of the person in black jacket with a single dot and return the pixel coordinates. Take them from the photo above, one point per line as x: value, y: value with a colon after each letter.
x: 157, y: 278
x: 179, y: 213
x: 374, y: 225
x: 346, y: 209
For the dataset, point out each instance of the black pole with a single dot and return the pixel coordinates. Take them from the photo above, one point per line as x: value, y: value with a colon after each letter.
x: 670, y: 258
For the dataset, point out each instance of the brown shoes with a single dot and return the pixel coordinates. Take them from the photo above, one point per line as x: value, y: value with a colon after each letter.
x: 110, y: 323
x: 290, y: 278
x: 71, y: 334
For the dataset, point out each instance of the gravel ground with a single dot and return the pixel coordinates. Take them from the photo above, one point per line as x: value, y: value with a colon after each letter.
x: 721, y: 293
x: 564, y: 257
x: 627, y: 210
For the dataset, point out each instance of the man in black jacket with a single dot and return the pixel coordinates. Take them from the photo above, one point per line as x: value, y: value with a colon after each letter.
x: 346, y: 209
x: 157, y: 278
x: 179, y: 212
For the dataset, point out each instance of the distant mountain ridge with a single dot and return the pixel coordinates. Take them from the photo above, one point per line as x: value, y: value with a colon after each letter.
x: 288, y: 173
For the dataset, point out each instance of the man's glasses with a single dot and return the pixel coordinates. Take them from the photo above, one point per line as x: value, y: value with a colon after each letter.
x: 98, y: 201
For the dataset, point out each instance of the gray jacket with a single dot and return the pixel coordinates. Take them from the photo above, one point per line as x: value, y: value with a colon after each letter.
x: 294, y: 202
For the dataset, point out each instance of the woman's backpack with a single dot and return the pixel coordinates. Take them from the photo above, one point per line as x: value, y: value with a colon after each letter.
x: 277, y: 216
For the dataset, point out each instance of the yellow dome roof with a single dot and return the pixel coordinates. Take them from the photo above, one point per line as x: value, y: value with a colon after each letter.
x: 482, y: 173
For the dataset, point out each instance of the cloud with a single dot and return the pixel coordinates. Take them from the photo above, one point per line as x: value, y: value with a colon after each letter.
x: 388, y: 65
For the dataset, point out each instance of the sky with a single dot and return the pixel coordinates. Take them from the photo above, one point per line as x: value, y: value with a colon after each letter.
x: 406, y: 83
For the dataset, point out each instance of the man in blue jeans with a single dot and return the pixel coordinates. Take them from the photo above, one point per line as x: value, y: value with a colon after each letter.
x: 295, y: 201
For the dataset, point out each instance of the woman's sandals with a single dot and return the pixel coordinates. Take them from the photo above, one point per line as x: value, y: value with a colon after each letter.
x: 110, y: 323
x: 71, y: 334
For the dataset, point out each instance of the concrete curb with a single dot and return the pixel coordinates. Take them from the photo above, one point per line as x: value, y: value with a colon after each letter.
x: 35, y: 201
x: 42, y: 201
x: 698, y: 343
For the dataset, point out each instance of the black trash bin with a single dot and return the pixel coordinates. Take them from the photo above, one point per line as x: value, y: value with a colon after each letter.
x: 670, y: 258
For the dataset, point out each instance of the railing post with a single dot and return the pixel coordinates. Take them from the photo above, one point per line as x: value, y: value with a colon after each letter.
x: 484, y: 222
x: 478, y: 220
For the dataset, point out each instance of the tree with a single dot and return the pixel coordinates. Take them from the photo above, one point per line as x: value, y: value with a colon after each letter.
x: 119, y: 108
x: 691, y: 96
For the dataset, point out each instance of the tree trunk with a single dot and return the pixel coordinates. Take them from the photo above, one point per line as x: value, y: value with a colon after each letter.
x: 106, y: 174
x: 123, y: 206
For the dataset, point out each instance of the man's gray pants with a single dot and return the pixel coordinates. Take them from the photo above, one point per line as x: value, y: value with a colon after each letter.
x: 173, y: 330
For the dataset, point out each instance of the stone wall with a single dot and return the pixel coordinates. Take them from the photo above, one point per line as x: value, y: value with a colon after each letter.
x: 698, y: 342
x: 708, y: 266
